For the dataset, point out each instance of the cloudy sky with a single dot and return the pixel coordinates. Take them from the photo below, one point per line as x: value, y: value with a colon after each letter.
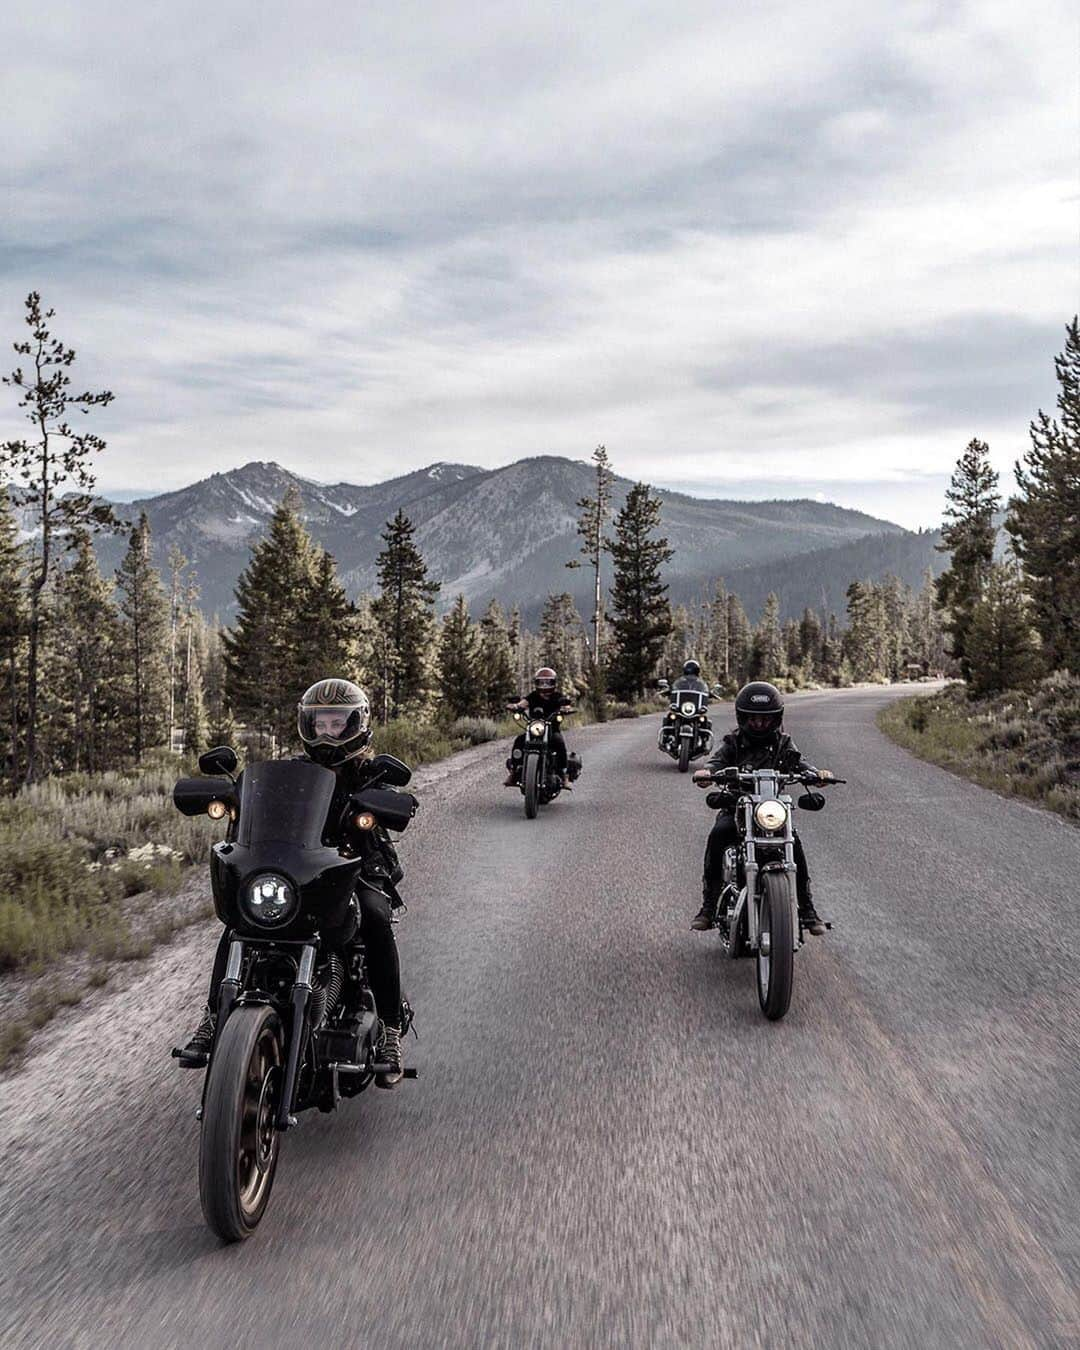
x: 758, y: 250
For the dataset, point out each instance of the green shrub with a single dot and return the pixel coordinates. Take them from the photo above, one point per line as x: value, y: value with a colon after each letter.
x: 474, y: 730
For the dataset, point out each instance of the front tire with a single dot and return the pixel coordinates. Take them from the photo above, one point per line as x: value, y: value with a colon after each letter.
x: 239, y: 1144
x: 532, y: 786
x: 776, y: 946
x: 684, y: 753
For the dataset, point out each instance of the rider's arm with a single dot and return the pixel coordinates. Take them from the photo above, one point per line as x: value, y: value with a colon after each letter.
x: 723, y: 757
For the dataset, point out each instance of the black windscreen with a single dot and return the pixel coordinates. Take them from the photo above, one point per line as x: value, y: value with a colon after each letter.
x: 284, y: 801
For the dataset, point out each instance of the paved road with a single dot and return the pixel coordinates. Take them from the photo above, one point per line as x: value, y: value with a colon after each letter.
x: 608, y: 1145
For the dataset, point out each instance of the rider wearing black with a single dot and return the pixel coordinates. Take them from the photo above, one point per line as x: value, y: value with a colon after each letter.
x: 543, y: 699
x: 758, y: 742
x: 334, y: 723
x: 690, y: 680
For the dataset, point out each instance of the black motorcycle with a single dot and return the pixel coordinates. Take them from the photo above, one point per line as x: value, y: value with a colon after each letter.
x: 758, y: 909
x: 539, y: 782
x: 686, y: 731
x: 296, y: 1025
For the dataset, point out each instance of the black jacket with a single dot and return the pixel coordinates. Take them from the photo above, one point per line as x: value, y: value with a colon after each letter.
x: 778, y: 752
x: 691, y: 683
x: 543, y: 706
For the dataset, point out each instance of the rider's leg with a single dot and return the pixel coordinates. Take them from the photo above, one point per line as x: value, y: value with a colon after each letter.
x: 513, y: 764
x: 198, y: 1047
x: 384, y: 974
x: 808, y: 915
x: 722, y: 835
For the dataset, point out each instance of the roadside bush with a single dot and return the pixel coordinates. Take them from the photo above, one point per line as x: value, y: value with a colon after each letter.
x: 474, y: 730
x: 621, y: 711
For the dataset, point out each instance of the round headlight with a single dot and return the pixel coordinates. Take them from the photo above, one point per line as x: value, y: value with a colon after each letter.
x: 269, y: 899
x: 689, y: 708
x: 536, y: 728
x: 770, y: 815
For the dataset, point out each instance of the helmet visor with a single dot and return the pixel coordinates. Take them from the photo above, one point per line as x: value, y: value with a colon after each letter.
x: 760, y: 723
x: 332, y: 724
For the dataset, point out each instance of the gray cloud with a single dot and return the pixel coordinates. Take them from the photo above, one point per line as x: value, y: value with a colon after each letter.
x: 384, y: 236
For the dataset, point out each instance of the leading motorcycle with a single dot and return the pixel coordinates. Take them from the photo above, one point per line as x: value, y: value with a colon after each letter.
x: 296, y: 1025
x: 758, y: 909
x: 686, y: 731
x: 538, y: 781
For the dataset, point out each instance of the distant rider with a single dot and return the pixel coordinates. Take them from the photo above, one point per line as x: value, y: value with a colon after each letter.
x: 542, y: 700
x: 333, y: 719
x: 758, y: 742
x: 690, y: 680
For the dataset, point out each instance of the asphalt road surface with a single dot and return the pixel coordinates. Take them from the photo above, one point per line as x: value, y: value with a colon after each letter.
x: 608, y: 1145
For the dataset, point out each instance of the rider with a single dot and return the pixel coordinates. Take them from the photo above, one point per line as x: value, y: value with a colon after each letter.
x: 543, y: 700
x: 334, y: 722
x: 758, y: 742
x: 690, y: 680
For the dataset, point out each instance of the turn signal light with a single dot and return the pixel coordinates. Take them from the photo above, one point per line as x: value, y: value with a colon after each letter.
x: 364, y: 821
x: 217, y: 810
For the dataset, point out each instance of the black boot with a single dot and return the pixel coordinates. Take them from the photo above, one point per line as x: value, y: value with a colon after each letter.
x: 705, y: 918
x: 390, y: 1056
x: 196, y: 1054
x: 809, y: 918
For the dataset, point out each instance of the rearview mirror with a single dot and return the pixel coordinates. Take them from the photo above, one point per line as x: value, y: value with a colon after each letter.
x: 663, y: 686
x: 812, y: 801
x: 391, y: 770
x: 717, y: 692
x: 222, y: 759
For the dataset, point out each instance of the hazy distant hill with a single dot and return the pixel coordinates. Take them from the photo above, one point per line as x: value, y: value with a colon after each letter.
x: 506, y: 532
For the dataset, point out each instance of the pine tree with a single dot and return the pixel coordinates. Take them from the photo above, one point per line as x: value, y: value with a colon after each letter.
x: 57, y: 479
x: 1044, y: 517
x: 770, y: 653
x: 1002, y: 647
x: 591, y: 526
x: 740, y: 641
x: 717, y: 649
x: 810, y: 643
x: 969, y: 537
x: 459, y: 675
x: 404, y: 612
x: 145, y: 636
x: 562, y: 642
x: 13, y: 621
x: 642, y: 614
x: 84, y: 655
x: 268, y: 652
x: 330, y: 628
x: 496, y: 676
x: 927, y: 637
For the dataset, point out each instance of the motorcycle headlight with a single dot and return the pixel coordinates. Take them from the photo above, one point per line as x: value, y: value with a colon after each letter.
x: 770, y: 815
x: 689, y: 709
x: 536, y: 728
x: 269, y: 899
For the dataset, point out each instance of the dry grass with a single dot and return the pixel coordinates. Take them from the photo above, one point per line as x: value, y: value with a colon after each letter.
x: 1025, y: 744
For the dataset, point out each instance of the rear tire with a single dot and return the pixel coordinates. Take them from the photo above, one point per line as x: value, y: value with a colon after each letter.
x: 776, y: 946
x: 532, y: 786
x: 684, y: 753
x: 239, y: 1144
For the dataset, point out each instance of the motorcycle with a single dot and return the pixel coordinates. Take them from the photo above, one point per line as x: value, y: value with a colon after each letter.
x: 539, y: 783
x: 686, y: 731
x: 758, y: 909
x: 296, y: 1025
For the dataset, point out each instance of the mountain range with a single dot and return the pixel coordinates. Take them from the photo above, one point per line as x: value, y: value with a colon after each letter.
x: 509, y: 532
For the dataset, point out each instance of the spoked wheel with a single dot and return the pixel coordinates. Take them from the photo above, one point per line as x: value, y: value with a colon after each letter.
x: 532, y: 786
x: 238, y: 1150
x: 684, y: 754
x: 776, y: 947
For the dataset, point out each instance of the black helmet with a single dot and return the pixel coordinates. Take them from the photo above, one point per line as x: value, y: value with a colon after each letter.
x: 334, y: 721
x: 545, y: 680
x: 759, y: 710
x: 691, y: 668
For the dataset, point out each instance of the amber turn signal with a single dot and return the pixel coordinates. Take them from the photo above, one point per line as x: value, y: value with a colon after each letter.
x: 217, y: 810
x: 364, y: 821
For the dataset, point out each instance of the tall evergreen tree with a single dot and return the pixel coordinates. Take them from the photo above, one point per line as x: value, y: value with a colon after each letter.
x: 85, y: 656
x: 1044, y: 516
x: 56, y: 475
x: 770, y: 651
x: 592, y: 523
x: 459, y: 674
x: 810, y: 643
x: 144, y: 612
x: 968, y: 536
x: 1003, y: 647
x: 13, y: 618
x: 562, y: 642
x: 331, y: 629
x: 717, y: 649
x: 404, y: 612
x: 740, y: 641
x: 496, y: 675
x: 639, y: 599
x: 267, y: 654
